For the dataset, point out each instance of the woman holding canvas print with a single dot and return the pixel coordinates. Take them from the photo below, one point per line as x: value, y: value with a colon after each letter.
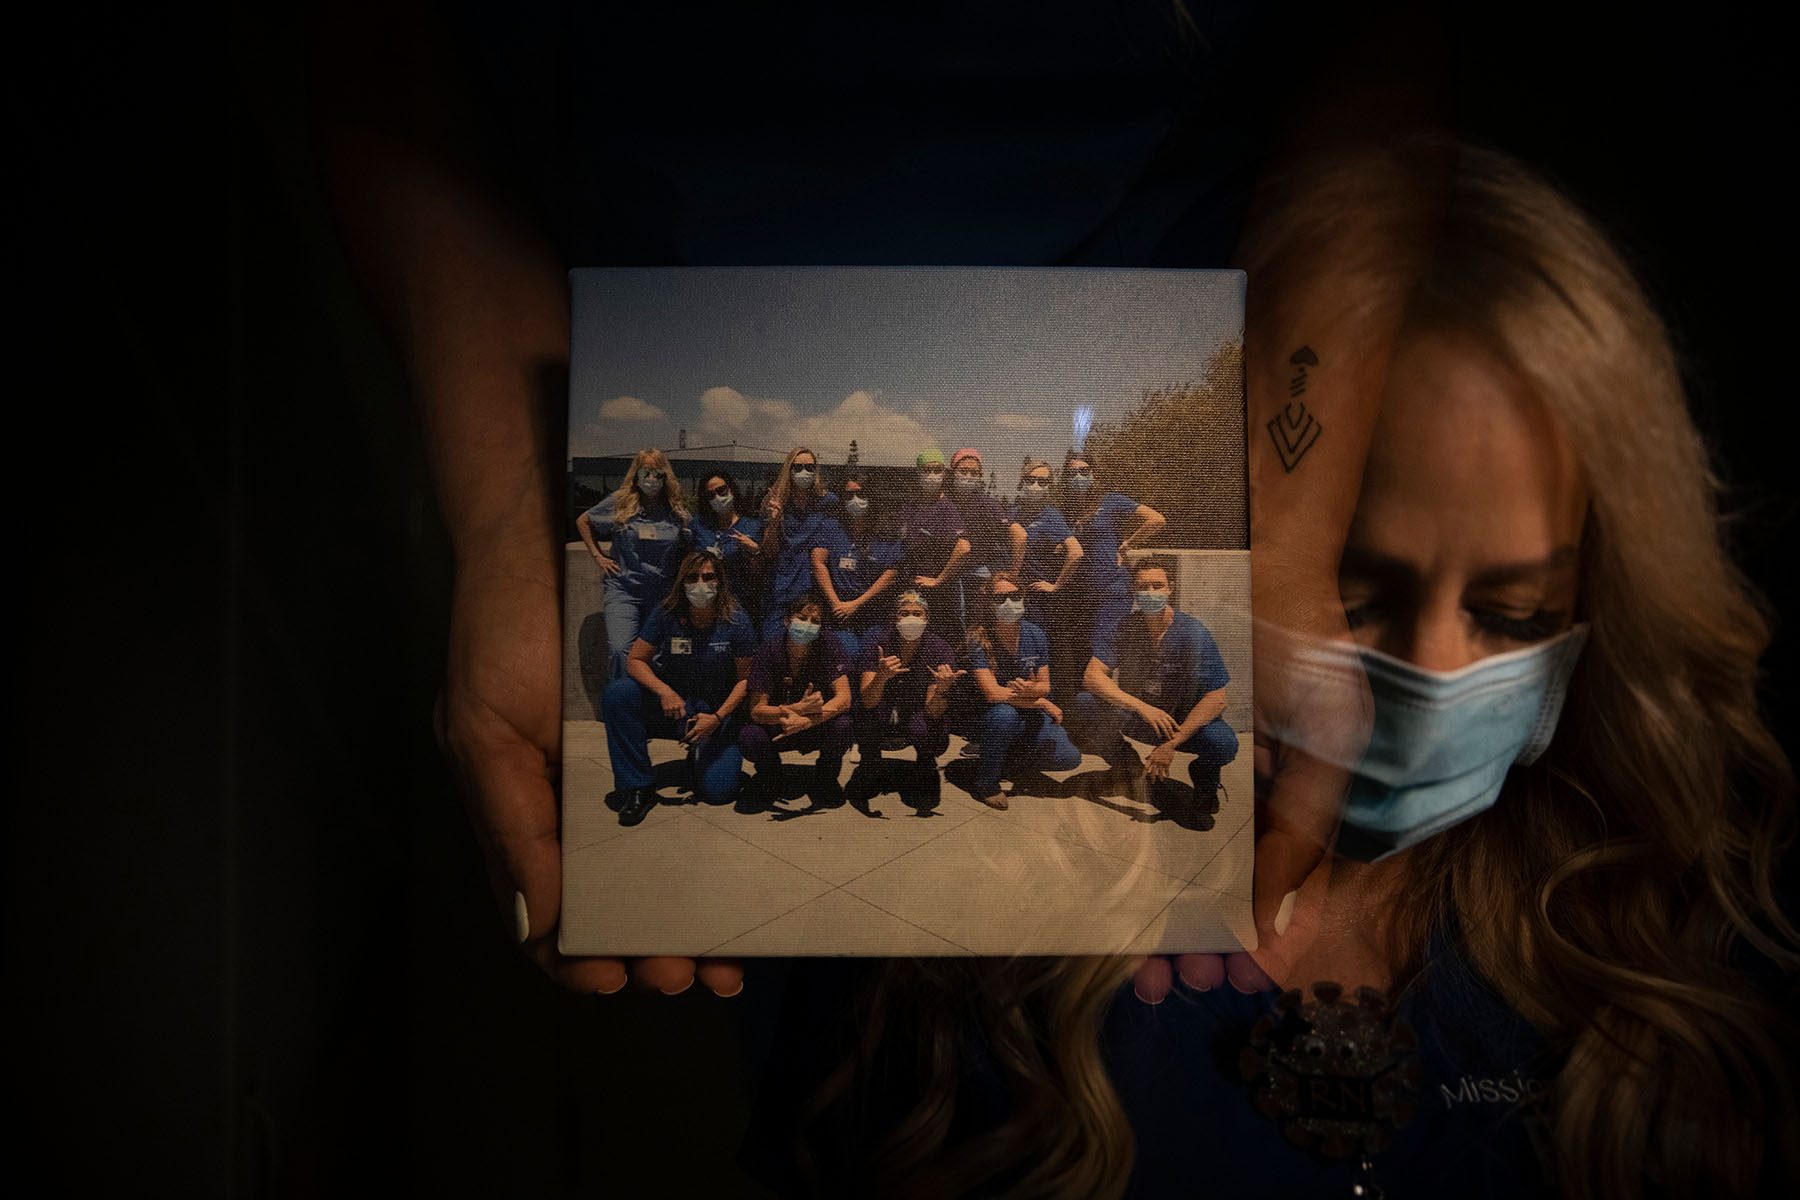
x: 1572, y: 915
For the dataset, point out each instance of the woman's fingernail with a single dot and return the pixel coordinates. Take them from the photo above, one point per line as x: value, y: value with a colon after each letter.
x: 1284, y: 912
x: 611, y: 990
x: 730, y: 994
x: 1144, y: 998
x: 521, y: 917
x: 684, y: 987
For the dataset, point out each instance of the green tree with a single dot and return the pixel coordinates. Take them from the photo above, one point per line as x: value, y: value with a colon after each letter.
x: 1181, y: 450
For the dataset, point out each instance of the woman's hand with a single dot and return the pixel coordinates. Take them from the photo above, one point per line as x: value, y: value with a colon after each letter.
x: 792, y: 722
x: 1050, y: 708
x: 703, y: 726
x: 810, y: 704
x: 925, y: 581
x: 888, y: 665
x: 673, y: 706
x: 746, y: 542
x: 1042, y: 587
x: 843, y: 610
x: 943, y: 675
x: 608, y: 566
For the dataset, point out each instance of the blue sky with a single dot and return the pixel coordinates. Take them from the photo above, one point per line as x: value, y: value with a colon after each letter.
x: 897, y: 358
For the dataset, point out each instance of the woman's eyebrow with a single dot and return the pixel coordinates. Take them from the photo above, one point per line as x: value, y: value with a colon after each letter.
x: 1560, y: 559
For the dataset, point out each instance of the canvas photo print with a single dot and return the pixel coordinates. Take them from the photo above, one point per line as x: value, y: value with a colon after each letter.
x: 906, y: 613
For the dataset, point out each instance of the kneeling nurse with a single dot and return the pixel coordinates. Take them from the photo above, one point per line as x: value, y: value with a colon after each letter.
x: 684, y: 679
x: 799, y: 700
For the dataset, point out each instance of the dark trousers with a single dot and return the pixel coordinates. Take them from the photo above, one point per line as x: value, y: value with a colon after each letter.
x: 881, y: 729
x: 1101, y: 729
x: 830, y: 739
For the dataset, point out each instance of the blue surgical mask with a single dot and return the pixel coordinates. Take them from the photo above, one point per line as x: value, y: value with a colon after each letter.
x: 803, y: 477
x: 1443, y: 741
x: 650, y: 482
x: 931, y: 483
x: 702, y: 594
x: 1080, y: 483
x: 856, y: 506
x: 723, y: 504
x: 803, y: 632
x: 1151, y: 603
x: 1009, y: 610
x: 968, y: 484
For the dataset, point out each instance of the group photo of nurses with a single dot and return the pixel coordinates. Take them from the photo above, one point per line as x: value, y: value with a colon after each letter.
x: 880, y: 610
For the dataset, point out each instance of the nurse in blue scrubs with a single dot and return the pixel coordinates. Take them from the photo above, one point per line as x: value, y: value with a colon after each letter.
x: 798, y: 508
x: 855, y: 564
x: 684, y: 679
x: 1107, y: 524
x: 1053, y: 553
x: 647, y: 528
x: 1160, y: 679
x: 722, y: 525
x: 1016, y: 723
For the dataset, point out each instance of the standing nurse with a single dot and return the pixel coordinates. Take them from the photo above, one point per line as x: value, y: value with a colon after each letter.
x: 1102, y: 591
x: 647, y: 526
x: 1052, y: 551
x: 684, y: 679
x: 933, y: 545
x: 798, y: 506
x: 996, y: 541
x: 724, y: 527
x: 854, y: 565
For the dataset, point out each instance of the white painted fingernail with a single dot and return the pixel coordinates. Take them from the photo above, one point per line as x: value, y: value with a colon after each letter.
x: 730, y: 994
x: 1144, y: 998
x: 614, y: 989
x: 521, y: 917
x: 1285, y: 912
x: 684, y: 987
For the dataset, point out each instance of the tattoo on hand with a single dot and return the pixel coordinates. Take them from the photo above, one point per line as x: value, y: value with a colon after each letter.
x: 1293, y: 429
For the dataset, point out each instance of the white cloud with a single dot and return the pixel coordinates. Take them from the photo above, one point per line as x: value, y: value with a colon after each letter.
x: 630, y: 408
x: 1018, y: 421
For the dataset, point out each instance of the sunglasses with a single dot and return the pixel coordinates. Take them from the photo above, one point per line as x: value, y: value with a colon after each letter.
x: 703, y: 577
x: 721, y: 490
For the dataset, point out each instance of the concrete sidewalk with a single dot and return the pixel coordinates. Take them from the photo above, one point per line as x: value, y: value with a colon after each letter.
x: 1085, y: 869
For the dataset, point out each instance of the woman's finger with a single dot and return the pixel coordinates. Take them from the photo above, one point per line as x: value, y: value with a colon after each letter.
x: 1153, y: 979
x: 670, y: 976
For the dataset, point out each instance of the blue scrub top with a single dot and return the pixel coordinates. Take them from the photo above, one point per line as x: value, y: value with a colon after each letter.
x: 700, y: 664
x: 1173, y: 675
x: 855, y: 563
x: 648, y: 548
x: 800, y: 532
x: 1045, y: 532
x: 737, y: 559
x: 1099, y: 538
x: 1034, y: 653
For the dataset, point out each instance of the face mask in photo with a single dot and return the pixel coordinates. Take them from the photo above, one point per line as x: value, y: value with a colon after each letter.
x: 1009, y: 610
x: 931, y: 483
x: 1442, y: 741
x: 1151, y: 603
x: 1081, y: 481
x: 856, y: 506
x: 803, y: 631
x: 912, y: 628
x: 650, y: 482
x: 968, y: 484
x: 723, y: 504
x: 702, y: 593
x: 803, y: 477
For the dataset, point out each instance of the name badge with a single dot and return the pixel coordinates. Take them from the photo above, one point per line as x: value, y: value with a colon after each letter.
x: 1153, y: 686
x: 681, y: 645
x: 647, y: 532
x: 847, y: 562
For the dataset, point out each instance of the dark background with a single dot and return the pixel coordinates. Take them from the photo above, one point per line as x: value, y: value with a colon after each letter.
x: 248, y: 944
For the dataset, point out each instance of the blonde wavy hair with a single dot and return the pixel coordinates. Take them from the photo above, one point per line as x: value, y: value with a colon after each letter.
x: 783, y: 488
x: 628, y: 501
x: 1602, y: 896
